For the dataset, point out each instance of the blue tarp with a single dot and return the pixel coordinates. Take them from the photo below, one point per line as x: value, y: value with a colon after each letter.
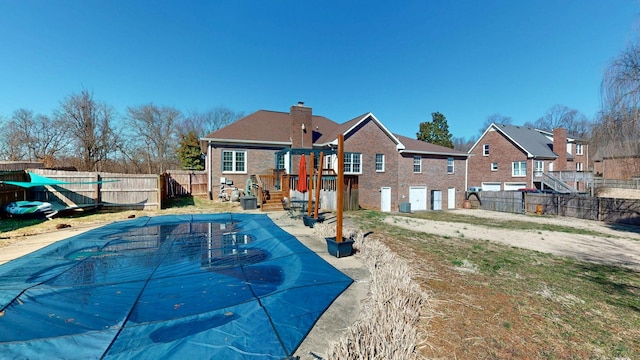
x: 217, y: 286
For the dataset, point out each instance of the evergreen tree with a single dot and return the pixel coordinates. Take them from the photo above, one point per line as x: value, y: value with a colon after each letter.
x: 436, y: 131
x: 189, y: 152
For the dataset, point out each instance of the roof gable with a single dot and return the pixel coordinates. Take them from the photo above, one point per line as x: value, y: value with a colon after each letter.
x: 532, y: 141
x: 352, y: 125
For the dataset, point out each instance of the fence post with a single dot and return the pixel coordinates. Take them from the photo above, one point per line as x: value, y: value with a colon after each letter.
x: 96, y: 194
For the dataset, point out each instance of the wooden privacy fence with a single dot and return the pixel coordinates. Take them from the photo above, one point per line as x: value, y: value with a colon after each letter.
x: 572, y: 205
x: 10, y: 193
x: 116, y: 192
x: 185, y: 183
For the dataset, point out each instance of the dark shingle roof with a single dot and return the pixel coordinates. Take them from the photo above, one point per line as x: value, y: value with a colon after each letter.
x: 529, y: 139
x: 423, y: 147
x: 274, y: 127
x: 267, y: 126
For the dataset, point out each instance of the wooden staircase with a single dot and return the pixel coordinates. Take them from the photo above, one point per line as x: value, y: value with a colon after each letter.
x: 272, y: 201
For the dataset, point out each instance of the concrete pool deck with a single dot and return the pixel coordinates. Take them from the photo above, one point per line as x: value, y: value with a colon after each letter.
x: 341, y: 314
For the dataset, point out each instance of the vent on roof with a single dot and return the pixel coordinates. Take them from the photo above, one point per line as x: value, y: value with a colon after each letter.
x: 300, y: 103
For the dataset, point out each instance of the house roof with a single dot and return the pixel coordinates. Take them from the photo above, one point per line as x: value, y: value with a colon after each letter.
x: 414, y: 146
x: 265, y: 127
x: 536, y: 143
x: 273, y: 128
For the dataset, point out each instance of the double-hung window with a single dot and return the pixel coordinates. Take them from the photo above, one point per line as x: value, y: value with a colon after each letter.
x: 539, y: 168
x: 234, y: 161
x: 519, y: 169
x: 352, y: 163
x: 579, y: 167
x: 379, y: 162
x: 417, y: 164
x: 579, y: 149
x: 449, y: 165
x: 485, y: 150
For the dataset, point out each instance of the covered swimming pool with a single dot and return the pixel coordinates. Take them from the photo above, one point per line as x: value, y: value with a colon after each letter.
x: 210, y: 286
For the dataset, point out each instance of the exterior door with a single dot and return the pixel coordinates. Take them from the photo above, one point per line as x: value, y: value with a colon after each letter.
x: 436, y: 200
x: 418, y: 198
x: 385, y: 199
x: 451, y: 198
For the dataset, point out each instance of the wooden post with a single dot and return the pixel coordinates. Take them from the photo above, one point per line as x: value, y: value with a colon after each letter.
x: 340, y: 188
x: 310, y: 182
x: 318, y: 184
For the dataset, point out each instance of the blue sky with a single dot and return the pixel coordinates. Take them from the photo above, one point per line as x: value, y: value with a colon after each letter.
x: 399, y: 60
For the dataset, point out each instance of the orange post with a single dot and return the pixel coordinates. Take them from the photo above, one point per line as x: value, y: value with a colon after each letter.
x: 318, y: 184
x: 310, y: 202
x: 340, y: 188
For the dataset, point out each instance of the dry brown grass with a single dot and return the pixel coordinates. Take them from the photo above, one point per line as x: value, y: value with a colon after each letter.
x: 386, y: 328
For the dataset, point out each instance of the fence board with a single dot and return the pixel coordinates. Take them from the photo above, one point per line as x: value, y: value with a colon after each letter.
x: 503, y: 201
x: 117, y: 192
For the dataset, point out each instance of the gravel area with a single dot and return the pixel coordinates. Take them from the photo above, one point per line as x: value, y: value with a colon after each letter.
x: 617, y: 245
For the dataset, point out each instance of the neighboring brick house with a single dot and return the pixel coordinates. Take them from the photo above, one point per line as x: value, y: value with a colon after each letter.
x: 392, y: 169
x: 617, y: 160
x: 509, y: 157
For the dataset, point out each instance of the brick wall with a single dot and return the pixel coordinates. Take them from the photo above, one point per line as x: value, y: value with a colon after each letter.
x: 434, y: 176
x: 259, y: 161
x: 501, y: 151
x: 370, y: 140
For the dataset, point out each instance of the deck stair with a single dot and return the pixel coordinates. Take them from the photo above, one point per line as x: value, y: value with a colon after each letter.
x: 557, y: 184
x: 272, y: 201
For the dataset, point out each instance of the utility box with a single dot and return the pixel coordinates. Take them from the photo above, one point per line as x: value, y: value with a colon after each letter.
x: 405, y: 207
x: 249, y: 202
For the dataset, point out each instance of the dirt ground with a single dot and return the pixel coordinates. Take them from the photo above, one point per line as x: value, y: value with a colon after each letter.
x: 619, y: 246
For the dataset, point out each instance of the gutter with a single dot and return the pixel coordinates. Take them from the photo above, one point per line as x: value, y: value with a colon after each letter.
x: 245, y: 142
x: 434, y: 153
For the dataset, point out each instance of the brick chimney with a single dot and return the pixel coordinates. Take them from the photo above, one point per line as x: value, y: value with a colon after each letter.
x: 301, y: 126
x: 560, y: 148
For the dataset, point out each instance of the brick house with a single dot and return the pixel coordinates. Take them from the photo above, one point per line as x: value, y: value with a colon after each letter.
x: 617, y: 160
x: 509, y: 157
x: 391, y: 169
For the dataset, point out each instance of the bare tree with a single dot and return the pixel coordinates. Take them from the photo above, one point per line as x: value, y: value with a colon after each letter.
x: 617, y: 133
x: 561, y: 116
x: 89, y: 124
x: 208, y: 121
x: 155, y: 129
x: 39, y: 137
x: 493, y: 119
x: 462, y: 143
x: 10, y: 146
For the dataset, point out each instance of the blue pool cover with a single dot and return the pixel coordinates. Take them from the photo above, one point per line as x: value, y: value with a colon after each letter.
x: 211, y: 286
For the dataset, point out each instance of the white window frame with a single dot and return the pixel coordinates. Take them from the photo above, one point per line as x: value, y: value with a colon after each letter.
x: 539, y: 168
x: 417, y: 164
x: 280, y: 162
x: 235, y: 163
x: 352, y: 163
x: 485, y: 150
x: 579, y: 167
x: 379, y: 162
x: 494, y: 166
x: 579, y: 149
x: 519, y: 169
x: 450, y: 165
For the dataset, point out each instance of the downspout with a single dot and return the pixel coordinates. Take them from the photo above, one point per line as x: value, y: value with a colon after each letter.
x: 466, y: 174
x: 207, y: 164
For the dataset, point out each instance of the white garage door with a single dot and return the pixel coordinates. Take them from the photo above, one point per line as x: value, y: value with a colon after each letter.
x: 514, y: 186
x: 418, y: 197
x: 491, y: 186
